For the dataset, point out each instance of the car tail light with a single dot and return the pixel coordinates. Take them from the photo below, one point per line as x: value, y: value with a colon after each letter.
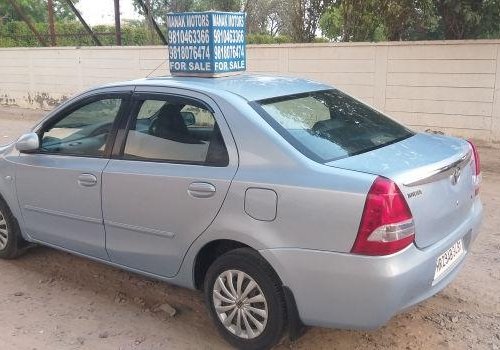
x: 387, y: 223
x: 476, y: 166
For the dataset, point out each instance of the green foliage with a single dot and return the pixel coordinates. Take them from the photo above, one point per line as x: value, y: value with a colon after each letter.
x: 277, y: 21
x: 159, y: 8
x: 468, y: 19
x: 375, y: 20
x: 403, y: 19
x: 332, y: 23
x: 267, y: 39
x: 489, y: 27
x: 353, y: 22
x: 264, y: 16
x: 36, y: 10
x: 301, y: 18
x: 71, y: 33
x: 320, y: 40
x: 217, y: 5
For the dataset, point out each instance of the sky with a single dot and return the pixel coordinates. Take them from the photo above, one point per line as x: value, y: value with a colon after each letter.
x: 103, y: 11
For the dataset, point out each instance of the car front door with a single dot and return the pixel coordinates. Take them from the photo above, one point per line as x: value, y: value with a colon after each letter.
x: 168, y: 181
x: 59, y: 186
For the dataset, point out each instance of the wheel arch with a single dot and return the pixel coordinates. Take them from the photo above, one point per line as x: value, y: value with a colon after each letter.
x: 10, y: 199
x: 208, y: 253
x: 213, y: 249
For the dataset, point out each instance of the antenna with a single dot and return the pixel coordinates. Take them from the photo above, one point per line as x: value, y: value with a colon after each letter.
x: 154, y: 70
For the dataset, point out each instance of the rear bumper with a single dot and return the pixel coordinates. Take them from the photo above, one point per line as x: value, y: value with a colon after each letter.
x: 359, y: 292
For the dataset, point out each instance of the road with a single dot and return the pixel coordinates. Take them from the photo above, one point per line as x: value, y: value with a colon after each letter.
x: 51, y: 300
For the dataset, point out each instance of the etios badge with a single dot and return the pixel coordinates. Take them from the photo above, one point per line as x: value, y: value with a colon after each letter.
x: 455, y: 176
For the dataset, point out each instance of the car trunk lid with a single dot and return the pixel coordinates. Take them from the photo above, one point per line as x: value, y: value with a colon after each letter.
x: 435, y: 175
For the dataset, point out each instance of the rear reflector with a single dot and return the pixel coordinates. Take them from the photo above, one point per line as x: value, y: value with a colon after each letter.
x: 386, y: 224
x: 476, y: 164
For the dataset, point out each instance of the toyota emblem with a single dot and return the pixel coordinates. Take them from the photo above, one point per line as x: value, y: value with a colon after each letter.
x: 455, y: 176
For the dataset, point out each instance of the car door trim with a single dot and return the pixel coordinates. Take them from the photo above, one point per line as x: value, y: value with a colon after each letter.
x: 140, y: 229
x: 62, y: 214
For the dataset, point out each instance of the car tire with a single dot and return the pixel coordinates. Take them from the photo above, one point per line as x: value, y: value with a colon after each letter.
x: 11, y: 242
x: 263, y: 304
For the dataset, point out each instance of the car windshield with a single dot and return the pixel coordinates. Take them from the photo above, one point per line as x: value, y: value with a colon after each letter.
x: 329, y: 125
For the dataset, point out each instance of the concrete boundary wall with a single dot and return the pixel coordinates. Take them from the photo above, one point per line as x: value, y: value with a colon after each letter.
x: 451, y: 86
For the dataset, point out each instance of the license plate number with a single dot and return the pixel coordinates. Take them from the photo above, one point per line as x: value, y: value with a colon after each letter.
x: 448, y: 258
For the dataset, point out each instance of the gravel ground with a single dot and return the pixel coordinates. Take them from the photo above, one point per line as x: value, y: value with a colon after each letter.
x: 53, y: 300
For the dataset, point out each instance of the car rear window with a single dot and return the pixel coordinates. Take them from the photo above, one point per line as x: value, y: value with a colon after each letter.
x: 329, y: 125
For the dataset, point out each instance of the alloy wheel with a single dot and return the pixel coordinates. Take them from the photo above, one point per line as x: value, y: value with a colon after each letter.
x: 240, y: 304
x: 4, y: 232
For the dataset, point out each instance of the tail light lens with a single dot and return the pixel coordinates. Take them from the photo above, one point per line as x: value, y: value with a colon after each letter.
x: 476, y: 165
x: 387, y: 223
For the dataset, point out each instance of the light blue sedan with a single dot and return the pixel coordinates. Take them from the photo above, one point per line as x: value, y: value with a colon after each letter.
x: 287, y: 201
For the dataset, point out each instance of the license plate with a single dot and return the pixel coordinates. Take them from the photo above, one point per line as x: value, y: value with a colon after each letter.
x: 448, y: 258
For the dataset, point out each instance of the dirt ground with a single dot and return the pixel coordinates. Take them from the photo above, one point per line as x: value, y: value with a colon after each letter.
x: 53, y: 300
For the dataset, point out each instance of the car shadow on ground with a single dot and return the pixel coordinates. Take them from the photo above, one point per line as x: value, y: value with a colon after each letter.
x: 69, y: 275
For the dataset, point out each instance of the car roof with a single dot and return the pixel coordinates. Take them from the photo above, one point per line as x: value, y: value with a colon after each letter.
x: 251, y: 87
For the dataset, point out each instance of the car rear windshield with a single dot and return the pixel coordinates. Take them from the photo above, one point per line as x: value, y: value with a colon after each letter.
x: 329, y: 125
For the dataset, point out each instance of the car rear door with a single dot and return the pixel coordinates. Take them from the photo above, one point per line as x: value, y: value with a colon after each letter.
x: 167, y: 180
x: 59, y: 186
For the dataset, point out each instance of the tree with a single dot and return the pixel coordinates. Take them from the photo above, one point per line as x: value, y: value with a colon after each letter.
x: 489, y: 27
x: 36, y: 10
x: 467, y: 19
x: 275, y: 22
x: 403, y: 19
x: 353, y: 20
x: 375, y: 20
x: 181, y: 5
x: 301, y: 18
x: 218, y: 5
x: 62, y: 11
x: 158, y: 8
x: 264, y: 16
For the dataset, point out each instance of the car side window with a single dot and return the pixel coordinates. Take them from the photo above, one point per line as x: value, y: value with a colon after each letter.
x: 175, y: 131
x: 83, y: 132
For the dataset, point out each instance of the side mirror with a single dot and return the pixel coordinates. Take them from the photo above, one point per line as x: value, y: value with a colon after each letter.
x: 189, y: 118
x: 28, y: 142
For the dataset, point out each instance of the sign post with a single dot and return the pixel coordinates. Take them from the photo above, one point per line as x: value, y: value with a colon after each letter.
x: 206, y: 44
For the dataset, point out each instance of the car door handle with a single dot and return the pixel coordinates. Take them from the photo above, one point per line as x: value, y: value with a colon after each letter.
x: 201, y: 189
x: 87, y: 180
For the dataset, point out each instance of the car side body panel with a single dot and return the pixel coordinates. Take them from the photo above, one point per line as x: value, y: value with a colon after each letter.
x: 362, y: 292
